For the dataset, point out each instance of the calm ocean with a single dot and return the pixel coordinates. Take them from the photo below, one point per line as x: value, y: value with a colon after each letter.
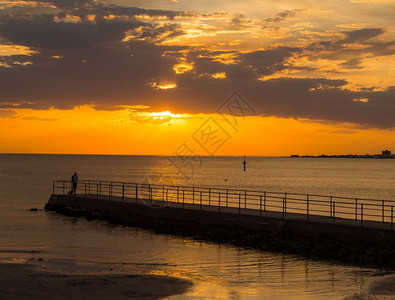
x: 79, y: 246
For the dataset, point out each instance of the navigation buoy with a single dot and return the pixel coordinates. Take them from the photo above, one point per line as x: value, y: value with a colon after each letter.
x: 244, y: 163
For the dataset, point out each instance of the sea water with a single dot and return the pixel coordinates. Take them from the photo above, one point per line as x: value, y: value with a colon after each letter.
x: 75, y: 245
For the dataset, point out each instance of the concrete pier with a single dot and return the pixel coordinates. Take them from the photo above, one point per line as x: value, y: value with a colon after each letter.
x: 134, y: 211
x: 358, y: 231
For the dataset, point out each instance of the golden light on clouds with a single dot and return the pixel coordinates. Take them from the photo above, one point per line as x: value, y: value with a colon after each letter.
x: 226, y: 58
x: 8, y: 50
x: 220, y: 75
x: 363, y: 100
x: 183, y: 67
x: 19, y: 3
x: 163, y: 86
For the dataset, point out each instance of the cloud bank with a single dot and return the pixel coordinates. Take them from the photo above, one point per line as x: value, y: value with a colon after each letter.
x: 70, y: 53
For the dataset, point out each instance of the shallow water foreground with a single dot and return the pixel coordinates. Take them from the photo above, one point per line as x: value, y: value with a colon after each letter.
x: 77, y: 246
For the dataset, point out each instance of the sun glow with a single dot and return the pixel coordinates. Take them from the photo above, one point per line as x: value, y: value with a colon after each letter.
x: 164, y: 114
x: 133, y: 130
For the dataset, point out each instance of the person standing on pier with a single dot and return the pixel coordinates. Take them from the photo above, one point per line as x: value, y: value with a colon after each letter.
x: 74, y: 181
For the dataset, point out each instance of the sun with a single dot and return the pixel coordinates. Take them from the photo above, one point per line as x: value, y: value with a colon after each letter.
x: 165, y: 114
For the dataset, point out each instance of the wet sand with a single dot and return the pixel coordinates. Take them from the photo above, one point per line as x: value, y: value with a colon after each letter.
x: 378, y: 289
x: 19, y: 281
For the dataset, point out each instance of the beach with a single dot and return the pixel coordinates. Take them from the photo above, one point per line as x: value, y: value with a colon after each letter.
x: 25, y: 281
x: 382, y: 288
x: 29, y: 281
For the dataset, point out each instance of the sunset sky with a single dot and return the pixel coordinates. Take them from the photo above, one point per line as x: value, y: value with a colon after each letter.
x: 222, y: 77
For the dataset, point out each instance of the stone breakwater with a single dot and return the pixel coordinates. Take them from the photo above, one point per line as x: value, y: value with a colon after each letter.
x: 354, y: 245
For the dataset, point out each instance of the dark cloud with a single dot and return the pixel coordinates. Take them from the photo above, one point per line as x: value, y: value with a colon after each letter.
x: 34, y: 118
x: 340, y: 49
x: 344, y: 131
x: 68, y: 3
x: 94, y: 66
x: 354, y: 63
x: 283, y: 15
x: 158, y: 33
x: 15, y: 104
x: 317, y: 99
x: 43, y: 33
x: 361, y: 35
x: 269, y: 61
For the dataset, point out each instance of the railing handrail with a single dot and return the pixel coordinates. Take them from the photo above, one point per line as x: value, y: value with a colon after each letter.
x: 236, y: 191
x: 247, y: 201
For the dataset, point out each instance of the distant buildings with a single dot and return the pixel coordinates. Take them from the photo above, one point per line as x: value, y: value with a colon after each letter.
x: 384, y: 154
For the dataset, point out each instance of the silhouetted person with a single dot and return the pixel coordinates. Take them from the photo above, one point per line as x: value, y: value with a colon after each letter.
x: 74, y: 181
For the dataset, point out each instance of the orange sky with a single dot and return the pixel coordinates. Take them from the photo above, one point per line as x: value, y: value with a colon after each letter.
x: 87, y: 131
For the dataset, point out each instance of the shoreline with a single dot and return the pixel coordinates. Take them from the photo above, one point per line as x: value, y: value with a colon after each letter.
x: 27, y: 281
x: 382, y: 288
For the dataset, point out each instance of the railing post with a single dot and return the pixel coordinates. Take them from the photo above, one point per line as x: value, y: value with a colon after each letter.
x: 219, y: 202
x: 283, y: 208
x: 100, y: 187
x: 382, y: 217
x: 89, y: 187
x: 239, y: 202
x: 392, y: 217
x: 63, y: 188
x: 193, y: 195
x: 330, y: 207
x: 245, y: 199
x: 183, y: 198
x: 361, y: 214
x: 334, y: 212
x: 356, y: 209
x: 200, y: 200
x: 167, y: 196
x: 307, y: 207
x: 109, y: 192
x: 285, y: 202
x: 163, y: 193
x: 260, y: 205
x: 97, y: 191
x: 123, y: 191
x: 85, y: 188
x: 209, y: 196
x: 137, y: 193
x: 227, y: 197
x: 178, y: 194
x: 264, y: 201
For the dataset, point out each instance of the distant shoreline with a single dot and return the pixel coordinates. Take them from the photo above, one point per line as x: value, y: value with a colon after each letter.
x: 205, y: 156
x: 342, y: 156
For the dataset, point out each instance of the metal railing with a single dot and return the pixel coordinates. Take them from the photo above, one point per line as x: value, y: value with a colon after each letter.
x: 307, y: 206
